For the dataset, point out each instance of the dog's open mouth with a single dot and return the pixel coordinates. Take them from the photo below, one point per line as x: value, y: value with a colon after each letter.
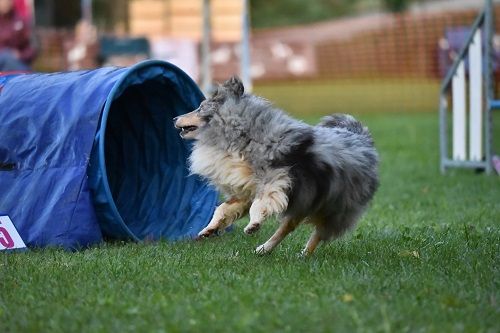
x: 189, y: 124
x: 187, y: 129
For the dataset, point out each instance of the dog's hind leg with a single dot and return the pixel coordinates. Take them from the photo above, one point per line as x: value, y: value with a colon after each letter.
x: 312, y: 243
x: 331, y: 227
x: 224, y: 216
x: 287, y: 225
x: 321, y: 233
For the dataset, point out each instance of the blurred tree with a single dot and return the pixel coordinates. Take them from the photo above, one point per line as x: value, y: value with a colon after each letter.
x: 396, y: 5
x: 267, y: 13
x: 110, y: 14
x: 274, y: 13
x: 57, y: 13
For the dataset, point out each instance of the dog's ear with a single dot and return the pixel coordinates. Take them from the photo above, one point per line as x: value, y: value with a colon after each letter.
x: 216, y: 91
x: 219, y: 94
x: 235, y: 85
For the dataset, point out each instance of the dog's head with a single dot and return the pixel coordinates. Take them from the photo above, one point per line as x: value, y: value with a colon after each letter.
x: 210, y: 110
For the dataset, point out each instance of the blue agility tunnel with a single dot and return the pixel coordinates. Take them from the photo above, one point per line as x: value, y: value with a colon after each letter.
x: 92, y: 154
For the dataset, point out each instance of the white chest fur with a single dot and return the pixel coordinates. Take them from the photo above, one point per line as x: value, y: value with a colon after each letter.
x: 230, y: 173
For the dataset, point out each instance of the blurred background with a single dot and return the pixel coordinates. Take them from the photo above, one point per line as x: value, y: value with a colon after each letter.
x: 316, y: 57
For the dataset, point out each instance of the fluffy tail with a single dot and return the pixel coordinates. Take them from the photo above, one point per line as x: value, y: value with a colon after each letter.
x: 343, y: 121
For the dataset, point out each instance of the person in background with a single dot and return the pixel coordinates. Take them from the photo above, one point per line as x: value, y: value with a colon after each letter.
x: 16, y: 51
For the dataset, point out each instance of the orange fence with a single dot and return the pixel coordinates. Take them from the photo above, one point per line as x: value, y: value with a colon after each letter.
x: 381, y: 62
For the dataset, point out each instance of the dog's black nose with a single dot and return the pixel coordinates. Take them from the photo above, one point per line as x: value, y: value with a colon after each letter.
x: 175, y: 119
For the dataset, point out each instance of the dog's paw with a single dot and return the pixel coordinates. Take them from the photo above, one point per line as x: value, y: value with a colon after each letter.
x: 207, y: 232
x: 304, y: 254
x: 261, y: 250
x: 251, y: 228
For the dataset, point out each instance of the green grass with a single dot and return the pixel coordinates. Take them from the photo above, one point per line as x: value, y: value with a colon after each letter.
x: 353, y: 96
x: 424, y: 258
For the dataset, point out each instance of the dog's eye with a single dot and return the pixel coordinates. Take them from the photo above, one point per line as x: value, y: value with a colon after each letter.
x: 205, y: 113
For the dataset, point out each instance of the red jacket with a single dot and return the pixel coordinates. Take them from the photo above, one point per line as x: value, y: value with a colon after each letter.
x: 15, y: 34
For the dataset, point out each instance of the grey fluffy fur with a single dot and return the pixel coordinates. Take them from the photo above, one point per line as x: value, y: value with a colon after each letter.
x: 332, y: 166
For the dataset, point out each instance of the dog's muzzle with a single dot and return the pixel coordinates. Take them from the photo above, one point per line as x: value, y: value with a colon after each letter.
x: 185, y: 129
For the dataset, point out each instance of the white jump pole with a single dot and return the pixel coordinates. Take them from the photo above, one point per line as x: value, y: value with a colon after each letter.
x: 476, y: 99
x: 206, y: 61
x: 86, y: 7
x: 245, y: 48
x: 459, y: 106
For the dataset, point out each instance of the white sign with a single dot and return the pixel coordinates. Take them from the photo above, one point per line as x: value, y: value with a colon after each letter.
x: 9, y: 237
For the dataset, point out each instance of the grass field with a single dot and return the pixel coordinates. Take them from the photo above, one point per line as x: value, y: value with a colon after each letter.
x: 425, y: 258
x: 353, y: 96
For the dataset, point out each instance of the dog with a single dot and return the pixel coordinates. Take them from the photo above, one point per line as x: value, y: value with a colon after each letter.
x: 267, y: 163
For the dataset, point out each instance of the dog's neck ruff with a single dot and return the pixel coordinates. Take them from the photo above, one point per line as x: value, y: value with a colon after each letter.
x: 229, y: 172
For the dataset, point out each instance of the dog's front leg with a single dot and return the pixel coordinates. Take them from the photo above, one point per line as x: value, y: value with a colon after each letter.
x: 225, y: 215
x: 271, y: 198
x: 264, y: 206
